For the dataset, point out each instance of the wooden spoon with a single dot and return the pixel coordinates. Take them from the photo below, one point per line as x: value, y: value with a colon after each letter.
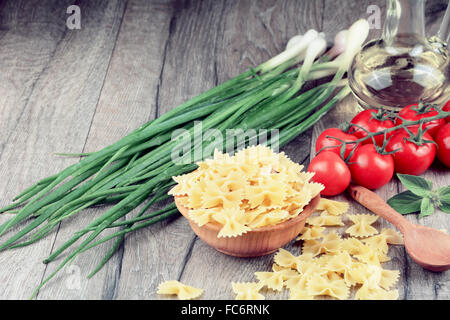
x: 429, y: 247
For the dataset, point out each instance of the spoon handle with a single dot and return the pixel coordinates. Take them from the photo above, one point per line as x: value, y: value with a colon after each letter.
x: 378, y: 206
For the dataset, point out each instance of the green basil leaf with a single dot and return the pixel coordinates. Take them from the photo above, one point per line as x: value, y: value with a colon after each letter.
x: 444, y: 194
x: 426, y: 207
x: 405, y: 202
x: 416, y: 185
x: 445, y: 207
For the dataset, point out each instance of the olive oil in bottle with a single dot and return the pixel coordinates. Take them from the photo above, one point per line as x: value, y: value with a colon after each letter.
x: 403, y: 67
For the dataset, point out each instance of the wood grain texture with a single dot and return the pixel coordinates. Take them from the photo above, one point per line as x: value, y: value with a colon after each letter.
x: 412, y: 277
x: 101, y: 24
x: 255, y: 32
x: 187, y: 70
x: 30, y: 117
x: 79, y: 90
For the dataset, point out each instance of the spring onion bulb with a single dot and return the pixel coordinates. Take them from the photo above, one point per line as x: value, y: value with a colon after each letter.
x: 295, y: 49
x: 294, y: 41
x: 340, y: 43
x: 315, y: 49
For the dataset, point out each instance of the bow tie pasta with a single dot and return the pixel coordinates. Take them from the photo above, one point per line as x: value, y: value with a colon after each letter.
x: 254, y: 188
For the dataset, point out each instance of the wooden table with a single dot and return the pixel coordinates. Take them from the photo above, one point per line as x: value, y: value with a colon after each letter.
x: 64, y: 90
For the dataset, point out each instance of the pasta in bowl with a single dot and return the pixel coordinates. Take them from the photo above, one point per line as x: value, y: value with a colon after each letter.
x: 249, y: 204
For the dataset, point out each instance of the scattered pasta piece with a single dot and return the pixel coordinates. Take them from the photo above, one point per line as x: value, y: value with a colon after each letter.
x: 389, y: 278
x: 353, y: 246
x: 286, y: 274
x: 300, y: 294
x: 333, y: 266
x: 335, y: 208
x: 285, y: 259
x: 392, y: 236
x: 378, y: 242
x: 299, y: 282
x: 272, y: 280
x: 311, y: 233
x: 247, y: 291
x: 319, y: 285
x: 325, y: 220
x: 378, y: 293
x: 362, y: 225
x: 182, y: 291
x: 330, y: 244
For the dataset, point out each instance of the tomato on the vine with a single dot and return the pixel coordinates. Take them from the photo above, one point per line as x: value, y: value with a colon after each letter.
x: 446, y: 108
x: 334, y: 145
x: 372, y: 120
x: 415, y: 152
x: 331, y: 171
x: 369, y: 168
x: 419, y: 111
x: 443, y: 144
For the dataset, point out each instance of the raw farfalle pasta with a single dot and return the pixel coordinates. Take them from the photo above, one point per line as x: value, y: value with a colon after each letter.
x: 330, y: 244
x: 182, y: 291
x: 201, y: 216
x: 312, y: 233
x: 392, y: 236
x: 377, y: 293
x: 335, y: 266
x: 284, y: 258
x: 254, y: 188
x: 299, y: 294
x: 388, y: 278
x: 335, y: 208
x: 269, y: 218
x: 328, y: 285
x: 325, y: 220
x: 247, y: 290
x: 271, y: 280
x: 378, y: 242
x: 362, y: 225
x: 232, y: 221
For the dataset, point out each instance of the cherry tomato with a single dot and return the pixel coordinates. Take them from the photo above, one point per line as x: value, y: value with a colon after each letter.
x: 323, y: 141
x: 414, y: 155
x: 369, y: 168
x: 372, y: 121
x: 331, y: 171
x: 416, y: 112
x: 446, y: 108
x: 443, y: 144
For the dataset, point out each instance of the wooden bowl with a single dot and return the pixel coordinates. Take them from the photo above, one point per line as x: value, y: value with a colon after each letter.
x: 254, y: 243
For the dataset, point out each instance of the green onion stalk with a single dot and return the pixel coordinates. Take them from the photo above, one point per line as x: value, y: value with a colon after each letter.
x: 137, y: 170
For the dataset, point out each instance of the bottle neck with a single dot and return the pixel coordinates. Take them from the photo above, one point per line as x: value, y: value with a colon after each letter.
x: 444, y: 30
x: 405, y: 22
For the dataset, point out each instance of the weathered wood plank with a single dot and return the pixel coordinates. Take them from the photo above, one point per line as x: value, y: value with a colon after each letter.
x: 413, y: 279
x: 29, y: 37
x: 343, y: 112
x: 141, y: 52
x: 63, y: 99
x: 252, y: 33
x: 158, y: 253
x: 54, y: 97
x: 420, y: 283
